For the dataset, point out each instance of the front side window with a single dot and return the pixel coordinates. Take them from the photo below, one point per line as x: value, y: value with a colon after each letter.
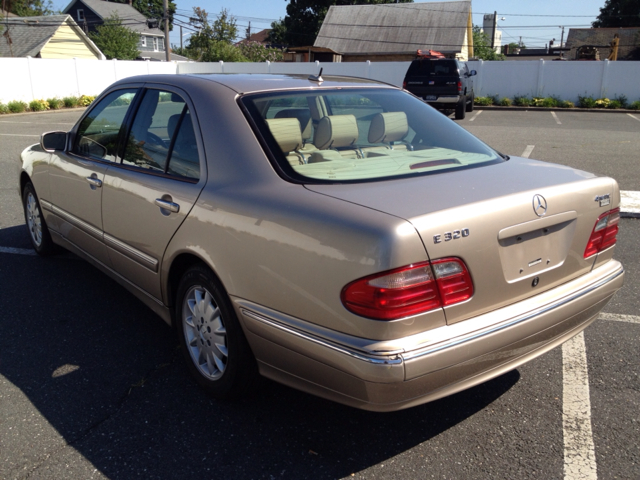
x: 345, y: 135
x: 162, y: 138
x: 97, y: 135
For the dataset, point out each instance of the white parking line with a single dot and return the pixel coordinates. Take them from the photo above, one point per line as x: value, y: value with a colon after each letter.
x: 556, y: 117
x: 616, y: 317
x: 475, y: 116
x: 634, y: 117
x: 579, y: 451
x: 17, y: 251
x: 15, y: 135
x: 527, y: 151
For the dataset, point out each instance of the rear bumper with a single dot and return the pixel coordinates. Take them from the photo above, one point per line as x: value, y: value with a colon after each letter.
x: 425, y: 367
x: 444, y: 100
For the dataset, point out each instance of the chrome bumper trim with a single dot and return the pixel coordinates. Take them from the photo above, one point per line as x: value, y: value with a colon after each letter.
x: 445, y: 99
x: 430, y: 349
x: 376, y: 360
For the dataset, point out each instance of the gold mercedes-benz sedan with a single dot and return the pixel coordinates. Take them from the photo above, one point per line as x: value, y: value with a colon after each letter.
x: 334, y: 234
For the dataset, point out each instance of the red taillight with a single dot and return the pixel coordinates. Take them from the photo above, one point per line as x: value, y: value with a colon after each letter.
x: 409, y: 290
x: 604, y: 233
x: 404, y: 85
x: 459, y: 86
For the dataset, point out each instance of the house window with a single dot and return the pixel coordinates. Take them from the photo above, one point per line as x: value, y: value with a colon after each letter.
x: 143, y: 41
x: 155, y: 44
x: 80, y: 13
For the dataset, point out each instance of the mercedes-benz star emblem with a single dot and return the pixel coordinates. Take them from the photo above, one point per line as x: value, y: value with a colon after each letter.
x: 539, y: 205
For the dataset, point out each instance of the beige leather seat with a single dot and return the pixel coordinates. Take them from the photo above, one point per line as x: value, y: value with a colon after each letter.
x: 387, y: 128
x: 338, y: 133
x: 286, y: 132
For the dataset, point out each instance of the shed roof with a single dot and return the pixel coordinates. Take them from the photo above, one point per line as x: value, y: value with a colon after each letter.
x: 29, y: 35
x: 395, y: 28
x: 628, y: 49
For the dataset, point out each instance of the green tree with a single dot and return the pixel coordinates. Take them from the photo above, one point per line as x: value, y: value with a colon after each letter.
x: 154, y: 9
x: 30, y: 8
x: 482, y: 46
x: 213, y: 41
x: 514, y: 45
x: 116, y: 40
x: 256, y: 52
x: 618, y: 13
x: 304, y: 18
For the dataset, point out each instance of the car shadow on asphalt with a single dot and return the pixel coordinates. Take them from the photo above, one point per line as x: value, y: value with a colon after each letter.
x: 106, y: 373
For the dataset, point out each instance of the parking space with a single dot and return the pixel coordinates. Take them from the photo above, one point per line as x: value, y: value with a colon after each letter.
x: 92, y: 384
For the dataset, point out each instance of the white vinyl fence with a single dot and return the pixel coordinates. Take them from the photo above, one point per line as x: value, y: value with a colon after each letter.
x: 32, y: 78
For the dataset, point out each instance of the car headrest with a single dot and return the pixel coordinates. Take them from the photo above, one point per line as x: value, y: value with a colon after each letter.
x: 388, y: 127
x: 286, y: 131
x: 336, y: 131
x: 303, y: 116
x: 172, y: 124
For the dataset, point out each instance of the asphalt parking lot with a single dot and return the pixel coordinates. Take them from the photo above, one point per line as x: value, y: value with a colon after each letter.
x: 92, y: 385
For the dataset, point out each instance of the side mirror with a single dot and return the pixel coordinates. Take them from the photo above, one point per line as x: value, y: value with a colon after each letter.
x: 472, y: 73
x: 52, y: 141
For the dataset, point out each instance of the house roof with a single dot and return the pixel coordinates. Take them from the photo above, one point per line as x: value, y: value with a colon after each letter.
x: 161, y: 56
x: 131, y: 18
x: 29, y: 35
x: 628, y: 49
x: 395, y: 28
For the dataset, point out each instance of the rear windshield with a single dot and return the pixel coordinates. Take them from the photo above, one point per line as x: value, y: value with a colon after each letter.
x: 356, y: 135
x: 433, y: 68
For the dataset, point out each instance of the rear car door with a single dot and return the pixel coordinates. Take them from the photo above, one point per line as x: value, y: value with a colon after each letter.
x: 148, y: 194
x: 76, y: 176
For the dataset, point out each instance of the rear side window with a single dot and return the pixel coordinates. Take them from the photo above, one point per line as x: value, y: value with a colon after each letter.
x: 162, y: 138
x: 97, y: 135
x: 433, y: 68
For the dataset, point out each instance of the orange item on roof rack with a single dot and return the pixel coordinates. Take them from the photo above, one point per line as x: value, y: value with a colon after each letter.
x: 429, y: 54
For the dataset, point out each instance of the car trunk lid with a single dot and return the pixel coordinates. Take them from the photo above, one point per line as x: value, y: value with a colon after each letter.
x: 486, y: 217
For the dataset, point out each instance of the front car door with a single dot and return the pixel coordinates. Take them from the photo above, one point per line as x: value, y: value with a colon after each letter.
x: 149, y: 192
x: 76, y: 176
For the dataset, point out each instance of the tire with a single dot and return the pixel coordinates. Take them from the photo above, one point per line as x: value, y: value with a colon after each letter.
x: 470, y: 104
x: 211, y: 338
x: 38, y: 230
x: 461, y: 108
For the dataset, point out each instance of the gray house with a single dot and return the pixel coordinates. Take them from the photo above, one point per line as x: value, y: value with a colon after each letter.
x: 90, y: 14
x: 395, y: 31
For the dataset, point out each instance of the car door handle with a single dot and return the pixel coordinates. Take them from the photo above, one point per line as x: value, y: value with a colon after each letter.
x: 94, y: 182
x: 172, y: 207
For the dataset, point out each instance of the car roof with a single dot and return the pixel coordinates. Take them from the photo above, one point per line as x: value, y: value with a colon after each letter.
x: 251, y: 83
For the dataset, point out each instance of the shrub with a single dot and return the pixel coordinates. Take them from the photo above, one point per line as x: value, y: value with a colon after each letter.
x: 549, y: 102
x: 38, y: 105
x: 566, y: 104
x: 17, y: 106
x: 483, y: 101
x: 602, y: 103
x: 586, y: 102
x: 505, y: 102
x: 3, y: 108
x: 54, y: 103
x: 622, y: 99
x: 614, y: 104
x: 635, y: 105
x: 85, y: 100
x: 522, y: 101
x: 70, y: 102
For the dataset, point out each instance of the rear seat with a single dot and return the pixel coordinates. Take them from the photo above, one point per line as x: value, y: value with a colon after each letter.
x: 286, y: 132
x: 336, y: 134
x: 306, y: 126
x: 388, y: 127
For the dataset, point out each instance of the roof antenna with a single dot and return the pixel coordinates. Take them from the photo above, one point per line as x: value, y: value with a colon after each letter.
x: 316, y: 78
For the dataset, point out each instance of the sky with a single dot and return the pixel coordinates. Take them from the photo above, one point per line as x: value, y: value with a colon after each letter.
x: 536, y: 21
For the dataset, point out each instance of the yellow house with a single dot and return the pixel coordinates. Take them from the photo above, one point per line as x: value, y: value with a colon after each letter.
x: 49, y: 36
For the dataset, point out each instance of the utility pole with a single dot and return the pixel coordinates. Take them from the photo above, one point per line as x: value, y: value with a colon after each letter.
x: 167, y: 45
x: 493, y: 33
x: 561, y: 36
x: 181, y: 39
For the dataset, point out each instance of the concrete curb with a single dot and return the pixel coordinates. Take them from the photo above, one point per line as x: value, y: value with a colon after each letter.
x: 555, y: 109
